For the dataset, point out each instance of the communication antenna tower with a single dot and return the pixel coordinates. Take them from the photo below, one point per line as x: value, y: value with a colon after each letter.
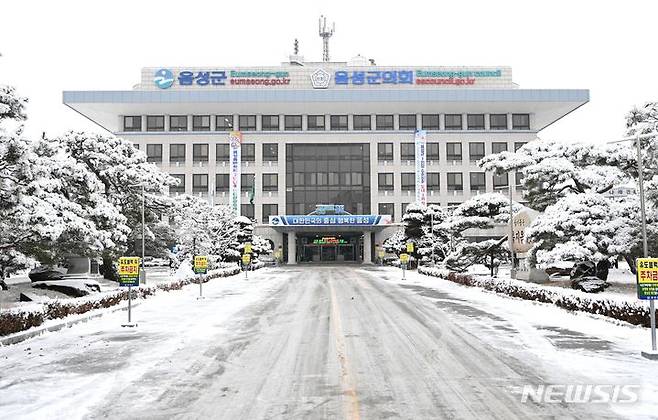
x: 325, y: 33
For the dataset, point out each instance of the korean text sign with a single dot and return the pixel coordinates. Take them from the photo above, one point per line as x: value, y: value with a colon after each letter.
x: 647, y: 278
x: 129, y: 271
x: 200, y: 264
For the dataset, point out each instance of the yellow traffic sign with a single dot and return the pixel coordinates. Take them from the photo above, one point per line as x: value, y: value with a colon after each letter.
x: 647, y: 278
x: 410, y: 247
x: 404, y: 258
x: 129, y: 271
x: 247, y: 248
x: 246, y: 259
x: 200, y: 264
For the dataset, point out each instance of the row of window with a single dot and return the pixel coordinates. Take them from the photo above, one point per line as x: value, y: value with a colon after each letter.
x: 389, y: 208
x: 222, y: 151
x: 200, y: 182
x: 476, y: 151
x: 336, y: 122
x: 385, y: 181
x: 455, y: 181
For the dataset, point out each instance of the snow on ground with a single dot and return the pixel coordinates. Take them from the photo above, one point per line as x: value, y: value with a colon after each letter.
x: 60, y: 375
x: 622, y: 281
x: 599, y: 347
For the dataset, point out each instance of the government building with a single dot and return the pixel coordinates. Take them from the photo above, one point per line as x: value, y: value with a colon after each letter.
x: 327, y: 148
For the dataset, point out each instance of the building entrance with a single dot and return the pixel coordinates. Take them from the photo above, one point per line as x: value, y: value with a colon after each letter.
x: 325, y: 247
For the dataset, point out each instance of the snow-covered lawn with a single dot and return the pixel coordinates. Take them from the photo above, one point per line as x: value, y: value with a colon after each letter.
x: 603, y: 349
x: 62, y: 374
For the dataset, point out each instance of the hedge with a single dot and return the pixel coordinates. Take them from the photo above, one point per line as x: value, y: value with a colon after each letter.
x: 634, y: 313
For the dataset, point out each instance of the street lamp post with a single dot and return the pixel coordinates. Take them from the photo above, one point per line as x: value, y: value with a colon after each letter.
x: 645, y: 248
x: 142, y: 272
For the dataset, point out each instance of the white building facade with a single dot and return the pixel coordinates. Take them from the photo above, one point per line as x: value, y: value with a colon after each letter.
x: 329, y: 133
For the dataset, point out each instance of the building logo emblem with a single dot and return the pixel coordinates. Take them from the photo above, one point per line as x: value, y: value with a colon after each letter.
x: 320, y: 79
x: 163, y: 78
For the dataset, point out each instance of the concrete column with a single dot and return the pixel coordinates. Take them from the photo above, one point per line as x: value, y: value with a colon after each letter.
x: 367, y: 248
x: 292, y: 248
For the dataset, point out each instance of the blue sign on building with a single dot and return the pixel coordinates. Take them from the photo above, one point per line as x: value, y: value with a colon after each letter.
x: 163, y: 78
x: 394, y: 77
x: 331, y: 220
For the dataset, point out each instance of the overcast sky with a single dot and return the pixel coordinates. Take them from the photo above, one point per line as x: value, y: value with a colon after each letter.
x: 608, y: 47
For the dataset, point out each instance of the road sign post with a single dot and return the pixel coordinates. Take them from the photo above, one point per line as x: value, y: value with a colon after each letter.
x: 647, y: 289
x: 246, y: 260
x: 129, y: 273
x: 404, y: 259
x: 201, y: 268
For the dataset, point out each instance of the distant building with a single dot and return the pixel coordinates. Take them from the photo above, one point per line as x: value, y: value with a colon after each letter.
x: 328, y: 133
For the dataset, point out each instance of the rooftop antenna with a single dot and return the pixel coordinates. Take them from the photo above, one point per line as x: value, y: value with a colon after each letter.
x: 325, y: 33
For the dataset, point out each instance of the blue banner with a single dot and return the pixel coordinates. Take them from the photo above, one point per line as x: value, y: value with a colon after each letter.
x: 330, y: 220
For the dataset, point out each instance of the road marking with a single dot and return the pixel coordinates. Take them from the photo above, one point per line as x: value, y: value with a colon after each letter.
x: 351, y: 406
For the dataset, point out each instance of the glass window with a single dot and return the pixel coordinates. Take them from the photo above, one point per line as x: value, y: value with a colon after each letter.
x: 270, y: 182
x: 385, y: 151
x: 223, y: 152
x: 248, y: 152
x: 475, y: 151
x: 361, y: 122
x: 132, y: 123
x: 200, y: 183
x: 385, y: 181
x: 155, y: 123
x: 201, y: 123
x: 404, y: 208
x: 200, y: 153
x: 433, y: 181
x: 339, y: 122
x: 387, y: 208
x: 500, y: 180
x: 270, y: 122
x: 518, y: 180
x: 384, y: 122
x: 455, y: 181
x: 269, y: 210
x: 433, y: 151
x: 408, y: 181
x: 180, y: 188
x: 293, y: 122
x: 270, y: 152
x: 315, y: 122
x: 224, y: 122
x: 407, y: 122
x: 247, y: 181
x: 520, y: 144
x: 327, y: 173
x: 498, y: 147
x: 475, y: 121
x: 478, y: 181
x: 154, y: 152
x: 178, y: 123
x: 221, y: 182
x: 247, y: 210
x: 407, y: 151
x: 453, y: 151
x: 521, y: 121
x: 453, y: 122
x: 247, y: 122
x: 498, y: 121
x: 430, y: 122
x: 176, y: 153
